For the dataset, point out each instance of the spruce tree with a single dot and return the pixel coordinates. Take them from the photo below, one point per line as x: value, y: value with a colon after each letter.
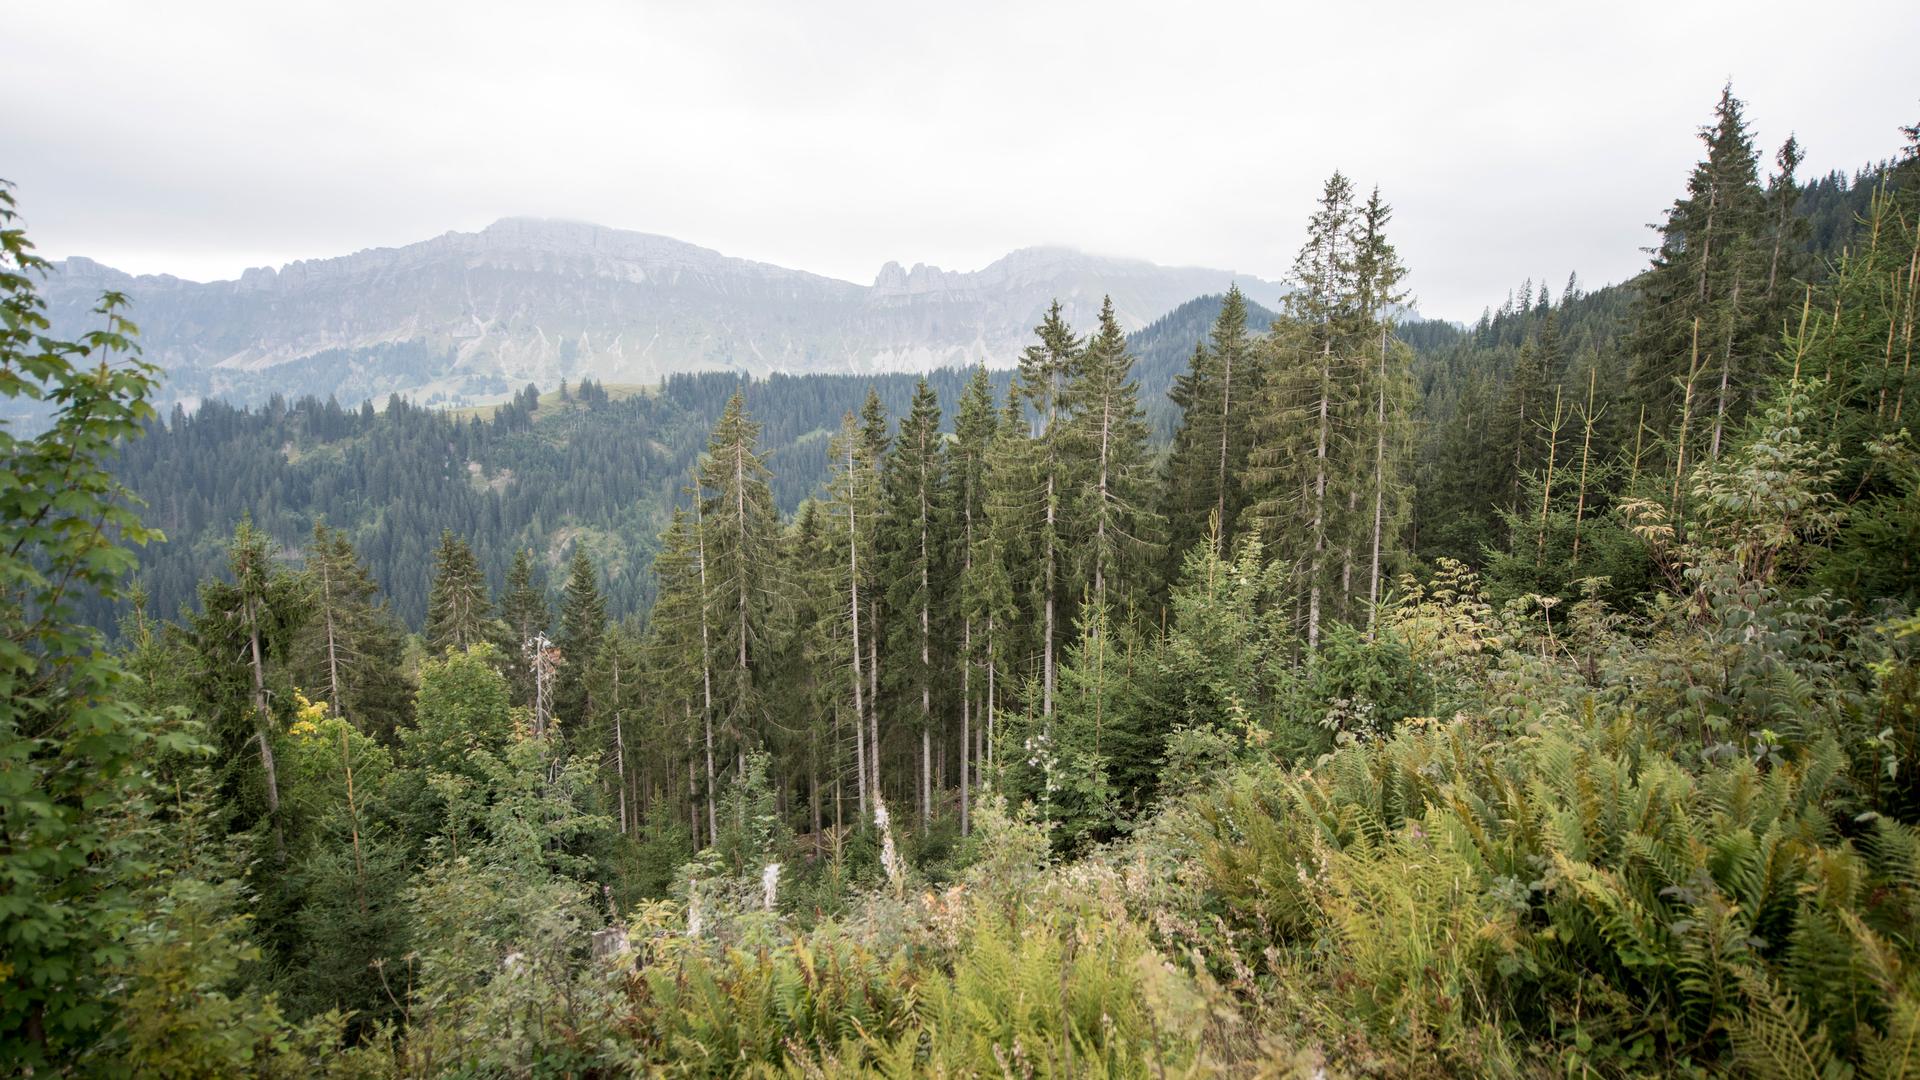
x: 1204, y: 477
x: 349, y: 649
x: 1114, y: 524
x: 809, y: 713
x: 974, y: 431
x: 245, y: 627
x: 583, y: 626
x: 1187, y: 494
x: 1227, y: 345
x: 1006, y: 572
x: 680, y: 654
x: 457, y: 604
x: 1310, y: 404
x: 855, y: 509
x: 1045, y: 366
x: 1697, y: 338
x: 524, y: 611
x: 740, y: 534
x: 1786, y: 233
x: 1377, y: 273
x: 915, y: 485
x: 1517, y: 425
x: 875, y: 441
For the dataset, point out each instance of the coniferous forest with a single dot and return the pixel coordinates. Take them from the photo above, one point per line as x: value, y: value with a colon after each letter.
x: 1304, y: 692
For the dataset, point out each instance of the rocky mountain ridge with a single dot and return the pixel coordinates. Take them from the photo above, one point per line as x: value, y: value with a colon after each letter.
x: 470, y: 317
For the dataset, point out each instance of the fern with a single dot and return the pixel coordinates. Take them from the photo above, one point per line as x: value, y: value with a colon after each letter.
x: 1775, y: 1037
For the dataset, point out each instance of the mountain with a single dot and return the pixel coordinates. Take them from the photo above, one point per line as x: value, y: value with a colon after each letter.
x: 469, y: 318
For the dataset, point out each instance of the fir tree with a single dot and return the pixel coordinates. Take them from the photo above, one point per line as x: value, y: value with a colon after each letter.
x: 1114, y: 534
x: 1006, y: 571
x: 524, y: 611
x: 809, y: 714
x: 1786, y: 234
x: 679, y: 646
x: 583, y: 626
x: 915, y: 482
x: 1187, y: 494
x: 875, y: 441
x: 740, y: 540
x: 1377, y: 272
x: 457, y: 605
x: 1205, y: 471
x: 1697, y: 338
x: 245, y: 626
x: 855, y: 495
x: 974, y: 431
x: 1045, y: 366
x: 1311, y: 401
x: 349, y: 648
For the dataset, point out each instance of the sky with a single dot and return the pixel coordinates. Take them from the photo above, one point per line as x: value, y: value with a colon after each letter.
x: 1513, y: 140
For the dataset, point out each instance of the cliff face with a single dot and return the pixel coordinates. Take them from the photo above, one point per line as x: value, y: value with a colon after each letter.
x: 471, y: 317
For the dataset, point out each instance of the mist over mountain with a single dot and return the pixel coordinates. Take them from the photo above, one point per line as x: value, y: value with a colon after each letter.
x: 467, y: 318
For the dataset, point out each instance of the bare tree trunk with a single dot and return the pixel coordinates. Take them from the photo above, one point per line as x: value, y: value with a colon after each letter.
x: 926, y: 648
x: 853, y: 603
x: 1906, y: 364
x: 1546, y: 485
x: 1052, y: 555
x: 1639, y: 434
x: 333, y: 646
x: 745, y: 676
x: 1346, y: 555
x: 1046, y: 663
x: 873, y: 699
x: 713, y: 817
x: 706, y: 657
x: 353, y: 824
x: 966, y: 716
x: 1319, y: 521
x: 693, y: 798
x: 264, y: 725
x: 1101, y: 507
x: 1686, y: 420
x: 1379, y: 482
x: 1586, y: 448
x: 988, y: 756
x: 1726, y: 371
x: 813, y: 795
x: 619, y: 744
x: 860, y: 747
x: 1226, y: 420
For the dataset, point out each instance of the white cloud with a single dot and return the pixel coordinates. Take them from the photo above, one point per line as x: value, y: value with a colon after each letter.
x: 1514, y: 141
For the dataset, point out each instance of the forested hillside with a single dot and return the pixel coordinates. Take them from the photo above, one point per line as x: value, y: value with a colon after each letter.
x: 1534, y: 698
x: 580, y: 466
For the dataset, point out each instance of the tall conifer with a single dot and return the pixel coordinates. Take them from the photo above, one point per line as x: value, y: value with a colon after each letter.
x: 740, y: 552
x: 457, y: 604
x: 1114, y: 527
x: 915, y: 480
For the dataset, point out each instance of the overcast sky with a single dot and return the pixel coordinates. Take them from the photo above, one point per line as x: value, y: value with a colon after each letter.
x: 1514, y: 141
